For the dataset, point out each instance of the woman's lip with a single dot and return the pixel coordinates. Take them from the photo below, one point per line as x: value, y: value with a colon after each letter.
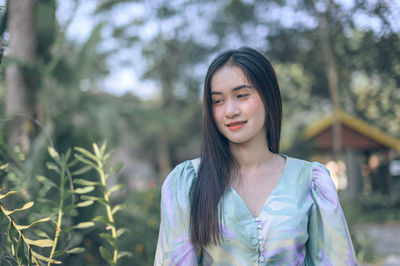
x: 236, y: 125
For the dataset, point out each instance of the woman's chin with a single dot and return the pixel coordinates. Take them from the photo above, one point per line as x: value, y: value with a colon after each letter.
x: 237, y: 140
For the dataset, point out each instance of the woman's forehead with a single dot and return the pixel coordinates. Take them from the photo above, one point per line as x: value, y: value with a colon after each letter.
x: 229, y: 78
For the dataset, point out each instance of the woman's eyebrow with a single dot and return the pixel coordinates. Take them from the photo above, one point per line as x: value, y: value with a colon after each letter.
x: 234, y: 89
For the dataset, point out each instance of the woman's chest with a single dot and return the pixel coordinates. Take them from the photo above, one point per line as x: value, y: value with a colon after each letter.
x: 254, y: 188
x: 280, y: 231
x: 283, y: 216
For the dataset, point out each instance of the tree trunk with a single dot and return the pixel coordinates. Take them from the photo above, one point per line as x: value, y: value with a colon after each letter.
x: 20, y: 101
x: 354, y: 177
x: 332, y: 76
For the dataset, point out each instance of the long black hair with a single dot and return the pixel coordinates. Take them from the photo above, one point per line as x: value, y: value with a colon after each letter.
x: 217, y: 163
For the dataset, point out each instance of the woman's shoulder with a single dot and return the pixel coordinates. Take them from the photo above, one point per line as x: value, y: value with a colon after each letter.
x: 311, y: 166
x: 297, y: 166
x: 314, y: 178
x: 307, y: 171
x: 182, y: 176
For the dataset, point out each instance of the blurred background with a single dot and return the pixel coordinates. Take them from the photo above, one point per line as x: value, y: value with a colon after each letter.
x: 131, y: 73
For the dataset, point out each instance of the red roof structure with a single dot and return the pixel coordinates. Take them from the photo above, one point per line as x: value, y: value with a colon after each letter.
x: 358, y: 140
x: 356, y: 134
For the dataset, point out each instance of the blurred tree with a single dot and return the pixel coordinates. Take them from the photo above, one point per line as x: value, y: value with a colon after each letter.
x: 176, y: 40
x: 171, y: 58
x: 169, y: 44
x: 374, y: 79
x: 69, y: 106
x: 323, y: 37
x: 20, y: 81
x: 3, y: 24
x: 172, y: 55
x: 332, y: 78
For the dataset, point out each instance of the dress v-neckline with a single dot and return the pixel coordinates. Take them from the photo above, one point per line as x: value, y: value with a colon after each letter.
x: 242, y: 202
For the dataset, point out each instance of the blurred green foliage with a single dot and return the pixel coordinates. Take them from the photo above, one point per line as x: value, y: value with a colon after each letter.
x: 368, y: 209
x: 19, y: 239
x: 72, y: 193
x: 142, y: 216
x: 170, y: 45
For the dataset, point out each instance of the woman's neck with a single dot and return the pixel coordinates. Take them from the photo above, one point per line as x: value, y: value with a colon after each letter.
x: 252, y: 155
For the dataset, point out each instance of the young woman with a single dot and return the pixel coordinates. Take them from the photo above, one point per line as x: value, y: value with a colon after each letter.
x: 241, y: 202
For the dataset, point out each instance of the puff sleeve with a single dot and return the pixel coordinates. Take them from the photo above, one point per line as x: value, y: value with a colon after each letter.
x: 329, y: 241
x: 174, y: 246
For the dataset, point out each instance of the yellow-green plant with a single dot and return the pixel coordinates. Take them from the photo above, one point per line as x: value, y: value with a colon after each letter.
x: 61, y: 166
x: 68, y: 202
x: 19, y: 240
x: 99, y: 162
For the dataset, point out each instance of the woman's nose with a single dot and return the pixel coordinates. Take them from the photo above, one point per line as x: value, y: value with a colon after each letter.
x: 231, y: 109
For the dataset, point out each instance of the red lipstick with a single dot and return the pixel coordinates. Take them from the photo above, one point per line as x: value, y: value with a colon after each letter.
x: 235, y: 125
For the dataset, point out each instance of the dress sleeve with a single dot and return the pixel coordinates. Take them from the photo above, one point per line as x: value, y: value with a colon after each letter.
x: 174, y: 246
x: 329, y: 241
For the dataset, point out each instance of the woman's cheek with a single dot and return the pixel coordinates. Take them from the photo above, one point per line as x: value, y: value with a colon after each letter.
x: 255, y: 104
x: 217, y: 112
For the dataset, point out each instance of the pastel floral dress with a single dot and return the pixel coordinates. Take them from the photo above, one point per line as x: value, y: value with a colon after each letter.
x: 301, y: 222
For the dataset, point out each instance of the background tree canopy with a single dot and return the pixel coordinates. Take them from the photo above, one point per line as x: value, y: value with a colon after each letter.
x: 70, y: 98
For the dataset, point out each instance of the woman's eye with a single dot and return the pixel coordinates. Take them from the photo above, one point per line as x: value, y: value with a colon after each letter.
x: 217, y: 101
x: 242, y: 95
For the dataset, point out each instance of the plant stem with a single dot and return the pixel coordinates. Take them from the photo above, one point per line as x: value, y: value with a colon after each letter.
x: 19, y: 232
x: 59, y: 216
x: 108, y: 208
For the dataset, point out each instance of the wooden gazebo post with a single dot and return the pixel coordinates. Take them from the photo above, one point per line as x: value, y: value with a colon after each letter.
x: 357, y: 137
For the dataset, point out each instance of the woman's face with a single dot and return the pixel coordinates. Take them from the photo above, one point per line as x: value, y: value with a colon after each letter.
x: 238, y: 109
